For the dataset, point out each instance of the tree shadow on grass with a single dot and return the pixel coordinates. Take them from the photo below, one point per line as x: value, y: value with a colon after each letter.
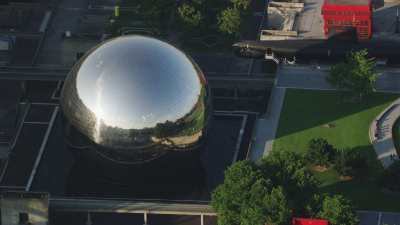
x: 364, y: 191
x: 305, y: 109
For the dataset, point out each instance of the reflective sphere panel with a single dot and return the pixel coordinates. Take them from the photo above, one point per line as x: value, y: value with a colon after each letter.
x: 136, y: 92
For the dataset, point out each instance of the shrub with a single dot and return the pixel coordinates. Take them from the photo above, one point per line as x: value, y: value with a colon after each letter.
x: 320, y: 152
x: 351, y: 163
x: 338, y: 211
x: 391, y: 177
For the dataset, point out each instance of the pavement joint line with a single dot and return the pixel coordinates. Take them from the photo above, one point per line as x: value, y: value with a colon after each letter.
x: 236, y: 73
x: 36, y: 123
x: 379, y: 218
x: 331, y: 89
x: 305, y: 88
x: 239, y: 140
x: 45, y: 103
x: 53, y: 95
x: 27, y: 109
x: 12, y: 187
x: 3, y: 171
x: 250, y: 67
x: 234, y: 111
x: 233, y: 98
x: 42, y: 147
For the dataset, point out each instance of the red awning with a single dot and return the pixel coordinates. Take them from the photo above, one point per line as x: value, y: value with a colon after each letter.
x: 306, y: 221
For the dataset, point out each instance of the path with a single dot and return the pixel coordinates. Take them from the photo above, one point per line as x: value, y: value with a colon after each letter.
x: 378, y: 218
x: 380, y: 133
x: 267, y: 125
x: 309, y: 77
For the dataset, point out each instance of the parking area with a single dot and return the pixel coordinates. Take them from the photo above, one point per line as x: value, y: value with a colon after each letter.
x: 378, y: 218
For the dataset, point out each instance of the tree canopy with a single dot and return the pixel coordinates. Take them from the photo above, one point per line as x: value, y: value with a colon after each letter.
x: 351, y: 163
x: 229, y: 21
x: 241, y: 4
x: 320, y: 152
x: 271, y: 192
x: 356, y: 74
x: 338, y: 210
x: 247, y: 198
x: 391, y: 177
x: 190, y: 16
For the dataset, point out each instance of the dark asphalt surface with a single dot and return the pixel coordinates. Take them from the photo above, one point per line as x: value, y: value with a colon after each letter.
x: 40, y: 113
x: 40, y: 91
x: 55, y: 165
x: 24, y: 51
x: 212, y: 63
x: 23, y: 156
x: 378, y: 218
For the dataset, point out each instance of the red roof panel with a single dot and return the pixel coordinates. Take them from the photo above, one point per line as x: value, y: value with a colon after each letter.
x: 307, y: 221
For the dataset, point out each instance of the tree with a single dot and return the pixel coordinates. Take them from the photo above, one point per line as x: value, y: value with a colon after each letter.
x: 320, y: 152
x: 267, y: 205
x: 289, y: 170
x: 242, y: 5
x: 391, y: 177
x: 338, y: 211
x: 351, y: 163
x: 247, y: 198
x: 229, y: 21
x: 229, y: 198
x: 189, y: 15
x: 356, y: 74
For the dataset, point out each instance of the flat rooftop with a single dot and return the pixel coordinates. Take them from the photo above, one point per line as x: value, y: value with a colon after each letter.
x: 309, y: 23
x: 62, y: 174
x: 41, y: 147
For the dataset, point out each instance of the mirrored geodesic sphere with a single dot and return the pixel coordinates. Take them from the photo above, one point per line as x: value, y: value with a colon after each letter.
x: 136, y: 98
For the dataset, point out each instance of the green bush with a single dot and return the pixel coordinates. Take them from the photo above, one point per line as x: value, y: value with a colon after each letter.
x: 320, y: 152
x: 229, y: 21
x: 247, y: 198
x: 273, y: 191
x: 190, y: 16
x: 338, y: 211
x: 391, y: 177
x: 351, y: 163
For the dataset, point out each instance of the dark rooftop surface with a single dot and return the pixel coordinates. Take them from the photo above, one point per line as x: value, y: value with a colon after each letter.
x: 23, y: 156
x: 21, y: 16
x: 60, y: 173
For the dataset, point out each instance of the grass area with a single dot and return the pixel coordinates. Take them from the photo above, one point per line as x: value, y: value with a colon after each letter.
x: 396, y: 135
x: 307, y: 114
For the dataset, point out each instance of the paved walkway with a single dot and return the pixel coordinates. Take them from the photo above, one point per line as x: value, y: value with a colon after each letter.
x: 378, y: 218
x: 310, y: 77
x: 380, y: 133
x: 267, y: 125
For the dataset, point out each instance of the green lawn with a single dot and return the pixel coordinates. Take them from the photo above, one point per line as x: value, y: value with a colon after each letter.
x: 306, y: 115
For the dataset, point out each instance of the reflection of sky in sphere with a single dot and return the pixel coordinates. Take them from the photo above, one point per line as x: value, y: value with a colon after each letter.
x: 135, y: 82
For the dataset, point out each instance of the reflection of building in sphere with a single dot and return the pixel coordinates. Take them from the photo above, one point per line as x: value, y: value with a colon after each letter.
x: 135, y: 98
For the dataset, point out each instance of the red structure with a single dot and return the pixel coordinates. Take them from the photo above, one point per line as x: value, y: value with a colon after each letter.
x: 304, y: 221
x: 342, y: 15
